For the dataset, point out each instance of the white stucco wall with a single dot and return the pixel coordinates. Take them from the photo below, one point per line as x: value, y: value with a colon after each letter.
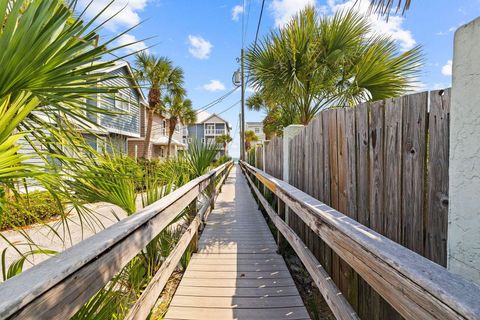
x: 464, y: 173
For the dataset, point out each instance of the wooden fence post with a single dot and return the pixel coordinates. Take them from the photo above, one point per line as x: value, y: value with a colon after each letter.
x: 288, y: 134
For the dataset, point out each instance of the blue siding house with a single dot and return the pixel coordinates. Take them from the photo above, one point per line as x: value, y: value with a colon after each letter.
x: 129, y: 105
x: 207, y: 128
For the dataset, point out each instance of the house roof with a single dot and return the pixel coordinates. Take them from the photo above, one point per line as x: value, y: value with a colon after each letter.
x: 124, y: 64
x: 203, y: 116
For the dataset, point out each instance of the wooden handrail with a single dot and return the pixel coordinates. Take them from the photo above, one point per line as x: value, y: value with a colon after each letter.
x: 61, y: 285
x: 334, y: 298
x: 415, y: 286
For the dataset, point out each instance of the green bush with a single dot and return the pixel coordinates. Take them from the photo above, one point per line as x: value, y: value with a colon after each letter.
x: 27, y: 209
x: 223, y: 159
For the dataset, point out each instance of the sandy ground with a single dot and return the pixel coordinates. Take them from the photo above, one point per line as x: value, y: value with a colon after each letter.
x: 55, y: 236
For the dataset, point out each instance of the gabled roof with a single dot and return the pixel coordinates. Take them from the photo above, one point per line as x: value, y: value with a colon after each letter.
x: 124, y: 64
x: 203, y: 116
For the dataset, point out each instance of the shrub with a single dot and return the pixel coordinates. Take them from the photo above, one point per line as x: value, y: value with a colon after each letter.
x: 27, y: 209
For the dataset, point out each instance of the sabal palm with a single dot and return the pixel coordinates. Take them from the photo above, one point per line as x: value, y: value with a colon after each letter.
x: 224, y: 139
x: 180, y: 112
x: 314, y: 62
x: 49, y: 66
x: 250, y: 137
x: 162, y: 79
x: 385, y: 6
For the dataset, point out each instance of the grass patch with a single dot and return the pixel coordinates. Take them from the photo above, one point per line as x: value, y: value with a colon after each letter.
x: 26, y: 209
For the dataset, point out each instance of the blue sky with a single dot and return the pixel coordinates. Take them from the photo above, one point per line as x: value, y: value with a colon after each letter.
x: 204, y: 37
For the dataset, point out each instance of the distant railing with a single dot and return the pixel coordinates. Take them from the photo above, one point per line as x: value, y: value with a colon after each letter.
x: 415, y: 286
x: 214, y: 132
x: 61, y: 285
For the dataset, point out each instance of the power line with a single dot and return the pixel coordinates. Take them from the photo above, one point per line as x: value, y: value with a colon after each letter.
x: 256, y: 33
x: 216, y: 101
x: 258, y: 25
x: 249, y: 5
x: 233, y: 105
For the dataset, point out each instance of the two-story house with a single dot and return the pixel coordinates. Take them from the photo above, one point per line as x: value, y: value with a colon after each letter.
x: 207, y: 128
x: 127, y: 106
x: 159, y: 138
x: 256, y: 127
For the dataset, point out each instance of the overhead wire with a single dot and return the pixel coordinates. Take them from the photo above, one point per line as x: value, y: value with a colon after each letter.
x: 216, y: 101
x: 256, y: 33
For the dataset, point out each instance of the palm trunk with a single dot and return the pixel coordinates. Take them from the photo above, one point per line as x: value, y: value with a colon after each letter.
x: 171, y: 129
x: 148, y: 134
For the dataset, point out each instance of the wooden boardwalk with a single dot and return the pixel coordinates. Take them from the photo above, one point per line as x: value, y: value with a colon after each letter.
x: 236, y: 273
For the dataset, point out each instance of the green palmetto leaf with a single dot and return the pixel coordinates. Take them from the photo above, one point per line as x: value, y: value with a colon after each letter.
x: 317, y: 61
x: 200, y: 156
x: 16, y: 267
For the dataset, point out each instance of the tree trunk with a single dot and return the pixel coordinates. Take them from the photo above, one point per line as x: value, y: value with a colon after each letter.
x: 148, y: 134
x: 171, y: 129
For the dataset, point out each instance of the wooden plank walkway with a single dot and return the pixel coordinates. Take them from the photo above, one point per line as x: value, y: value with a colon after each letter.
x: 236, y: 273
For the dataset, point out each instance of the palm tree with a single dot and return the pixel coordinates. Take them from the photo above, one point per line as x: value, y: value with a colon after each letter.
x: 47, y: 75
x: 385, y: 6
x: 250, y: 137
x: 273, y: 123
x: 162, y: 79
x: 224, y: 139
x: 180, y: 111
x: 317, y: 62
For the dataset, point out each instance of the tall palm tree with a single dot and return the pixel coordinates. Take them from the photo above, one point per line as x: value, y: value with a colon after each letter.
x: 274, y: 122
x: 180, y: 111
x: 250, y: 137
x: 224, y: 139
x: 319, y: 61
x: 162, y: 79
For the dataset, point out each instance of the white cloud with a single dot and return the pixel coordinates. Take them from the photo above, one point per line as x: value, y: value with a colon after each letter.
x: 214, y: 85
x: 199, y: 47
x: 128, y: 39
x: 284, y: 10
x: 393, y: 27
x: 236, y: 12
x: 447, y: 68
x: 128, y: 12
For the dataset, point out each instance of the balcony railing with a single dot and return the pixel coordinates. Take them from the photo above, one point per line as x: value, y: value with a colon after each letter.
x: 214, y: 132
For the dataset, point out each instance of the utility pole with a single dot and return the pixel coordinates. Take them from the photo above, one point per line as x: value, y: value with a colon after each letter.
x: 242, y: 113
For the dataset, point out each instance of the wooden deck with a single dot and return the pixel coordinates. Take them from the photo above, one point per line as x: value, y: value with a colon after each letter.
x: 236, y: 273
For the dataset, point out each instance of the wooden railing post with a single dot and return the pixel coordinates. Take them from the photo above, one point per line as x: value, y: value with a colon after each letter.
x: 281, y: 214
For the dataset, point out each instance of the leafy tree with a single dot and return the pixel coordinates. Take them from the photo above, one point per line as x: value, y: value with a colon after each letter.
x: 316, y: 62
x: 180, y: 111
x: 224, y: 139
x: 162, y: 79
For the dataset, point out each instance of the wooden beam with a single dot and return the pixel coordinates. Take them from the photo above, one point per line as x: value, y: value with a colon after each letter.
x: 415, y: 286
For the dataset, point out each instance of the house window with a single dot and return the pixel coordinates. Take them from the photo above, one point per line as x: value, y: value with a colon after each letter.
x: 122, y: 101
x: 257, y: 130
x: 210, y: 128
x: 164, y: 127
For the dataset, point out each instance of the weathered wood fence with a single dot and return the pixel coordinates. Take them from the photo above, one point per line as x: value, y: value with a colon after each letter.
x: 383, y: 164
x: 61, y: 285
x: 416, y: 287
